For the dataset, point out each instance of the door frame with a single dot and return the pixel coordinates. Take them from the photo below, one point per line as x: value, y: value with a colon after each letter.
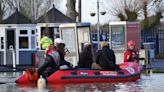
x: 5, y: 44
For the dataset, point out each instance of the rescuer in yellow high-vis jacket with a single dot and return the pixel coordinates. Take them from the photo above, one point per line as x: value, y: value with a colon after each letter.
x: 45, y: 42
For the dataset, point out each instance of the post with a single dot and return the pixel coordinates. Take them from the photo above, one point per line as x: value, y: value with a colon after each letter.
x: 18, y: 5
x: 13, y: 56
x: 79, y: 11
x: 98, y: 24
x: 35, y: 10
x: 32, y: 11
x: 14, y: 60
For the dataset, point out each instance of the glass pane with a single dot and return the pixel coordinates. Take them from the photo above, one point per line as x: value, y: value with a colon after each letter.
x: 118, y: 36
x: 56, y: 33
x: 2, y: 43
x: 69, y: 38
x: 33, y: 42
x: 2, y: 40
x: 23, y: 42
x: 33, y: 32
x: 23, y: 31
x: 86, y: 36
x: 2, y: 46
x: 94, y: 37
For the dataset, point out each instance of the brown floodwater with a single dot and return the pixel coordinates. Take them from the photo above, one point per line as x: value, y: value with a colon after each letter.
x: 147, y: 83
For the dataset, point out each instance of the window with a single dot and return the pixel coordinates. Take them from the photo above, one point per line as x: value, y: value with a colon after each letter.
x: 94, y: 37
x: 23, y: 31
x: 86, y: 36
x: 69, y: 38
x: 56, y: 33
x: 118, y: 36
x: 33, y: 32
x: 23, y: 42
x: 2, y: 43
x: 33, y: 41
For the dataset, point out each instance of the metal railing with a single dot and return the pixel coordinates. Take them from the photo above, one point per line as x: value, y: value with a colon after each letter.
x: 155, y: 35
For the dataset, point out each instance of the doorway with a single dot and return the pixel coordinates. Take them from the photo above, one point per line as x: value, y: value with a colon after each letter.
x: 10, y: 44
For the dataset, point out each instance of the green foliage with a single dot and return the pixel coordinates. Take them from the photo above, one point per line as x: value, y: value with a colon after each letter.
x: 145, y: 24
x: 150, y: 23
x: 121, y: 16
x: 157, y: 19
x: 131, y: 15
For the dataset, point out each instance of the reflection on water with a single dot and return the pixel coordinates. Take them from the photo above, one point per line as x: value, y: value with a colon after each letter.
x: 99, y: 87
x: 151, y: 83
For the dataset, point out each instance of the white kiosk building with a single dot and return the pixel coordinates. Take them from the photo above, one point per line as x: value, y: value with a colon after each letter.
x: 75, y: 35
x: 17, y: 36
x: 48, y: 24
x: 120, y: 33
x: 21, y: 38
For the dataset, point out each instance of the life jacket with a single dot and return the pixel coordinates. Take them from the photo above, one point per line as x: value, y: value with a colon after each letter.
x: 50, y: 49
x: 55, y: 55
x: 62, y: 54
x: 32, y: 74
x: 131, y: 53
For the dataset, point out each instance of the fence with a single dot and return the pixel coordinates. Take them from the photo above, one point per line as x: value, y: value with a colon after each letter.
x: 155, y: 35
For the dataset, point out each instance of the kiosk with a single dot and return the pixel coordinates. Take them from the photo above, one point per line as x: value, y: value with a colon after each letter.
x: 120, y: 33
x: 50, y: 29
x: 20, y: 39
x: 75, y: 35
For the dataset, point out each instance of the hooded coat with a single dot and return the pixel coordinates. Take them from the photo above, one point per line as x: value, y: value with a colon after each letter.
x: 106, y: 59
x: 85, y: 59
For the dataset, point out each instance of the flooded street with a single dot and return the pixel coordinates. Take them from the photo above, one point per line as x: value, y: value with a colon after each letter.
x: 147, y: 83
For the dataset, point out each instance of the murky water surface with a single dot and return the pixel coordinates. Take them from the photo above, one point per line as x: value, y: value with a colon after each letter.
x: 147, y: 83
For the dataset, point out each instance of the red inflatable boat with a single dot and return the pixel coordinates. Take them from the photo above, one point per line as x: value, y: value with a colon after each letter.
x: 131, y: 71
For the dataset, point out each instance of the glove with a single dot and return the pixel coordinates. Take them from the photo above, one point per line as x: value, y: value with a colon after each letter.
x: 63, y: 67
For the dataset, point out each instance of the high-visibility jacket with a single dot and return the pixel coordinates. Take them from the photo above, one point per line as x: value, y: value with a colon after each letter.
x: 45, y: 42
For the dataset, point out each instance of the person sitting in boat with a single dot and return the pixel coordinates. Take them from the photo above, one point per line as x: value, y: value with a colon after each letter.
x: 130, y: 55
x: 60, y: 47
x: 54, y: 59
x: 85, y: 59
x: 106, y: 58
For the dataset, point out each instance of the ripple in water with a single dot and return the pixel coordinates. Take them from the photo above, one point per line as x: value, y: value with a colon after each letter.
x: 151, y: 83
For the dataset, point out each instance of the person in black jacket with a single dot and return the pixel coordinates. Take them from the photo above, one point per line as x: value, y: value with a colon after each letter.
x: 85, y: 59
x: 106, y: 58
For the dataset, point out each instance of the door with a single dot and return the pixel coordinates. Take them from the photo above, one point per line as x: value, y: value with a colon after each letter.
x: 69, y: 36
x: 48, y: 31
x: 10, y: 44
x: 84, y: 36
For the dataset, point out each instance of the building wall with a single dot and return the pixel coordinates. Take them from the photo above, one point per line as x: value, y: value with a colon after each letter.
x: 2, y: 44
x: 26, y: 57
x: 23, y: 55
x: 134, y: 33
x: 1, y: 57
x: 25, y: 52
